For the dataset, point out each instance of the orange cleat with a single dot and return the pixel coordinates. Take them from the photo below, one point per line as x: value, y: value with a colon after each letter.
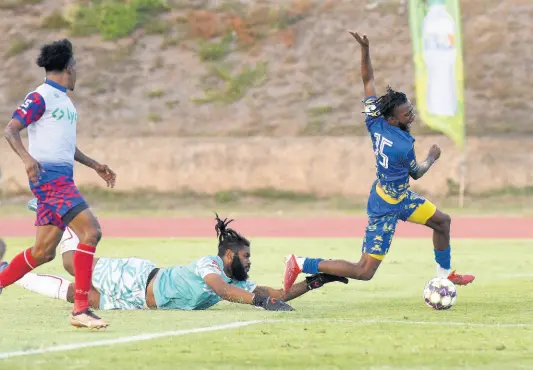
x: 292, y: 270
x: 460, y: 279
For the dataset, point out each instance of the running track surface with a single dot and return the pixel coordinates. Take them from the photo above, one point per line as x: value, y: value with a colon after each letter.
x: 342, y: 227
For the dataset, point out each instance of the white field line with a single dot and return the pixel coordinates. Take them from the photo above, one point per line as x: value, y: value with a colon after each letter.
x: 239, y: 324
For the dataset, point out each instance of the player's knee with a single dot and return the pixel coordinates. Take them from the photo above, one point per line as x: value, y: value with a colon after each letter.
x: 96, y: 235
x: 366, y: 268
x: 367, y: 274
x: 446, y: 222
x: 92, y: 236
x: 43, y: 254
x: 440, y: 222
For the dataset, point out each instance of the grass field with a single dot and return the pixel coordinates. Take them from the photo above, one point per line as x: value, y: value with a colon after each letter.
x: 381, y: 324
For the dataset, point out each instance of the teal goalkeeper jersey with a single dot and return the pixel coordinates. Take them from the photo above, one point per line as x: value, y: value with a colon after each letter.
x: 184, y: 288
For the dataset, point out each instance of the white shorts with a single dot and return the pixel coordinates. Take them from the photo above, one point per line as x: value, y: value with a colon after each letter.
x: 121, y: 282
x: 69, y: 241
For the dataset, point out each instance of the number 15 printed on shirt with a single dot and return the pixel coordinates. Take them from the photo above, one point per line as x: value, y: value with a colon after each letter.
x: 381, y: 143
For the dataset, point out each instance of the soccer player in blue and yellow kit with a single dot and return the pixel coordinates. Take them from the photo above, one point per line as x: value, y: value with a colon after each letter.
x: 388, y: 120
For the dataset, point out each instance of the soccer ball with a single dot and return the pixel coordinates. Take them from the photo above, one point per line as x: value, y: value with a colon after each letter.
x: 440, y: 294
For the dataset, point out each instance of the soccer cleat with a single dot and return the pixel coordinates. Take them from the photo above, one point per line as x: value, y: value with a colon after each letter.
x: 3, y: 265
x: 87, y: 319
x: 460, y: 279
x: 292, y: 270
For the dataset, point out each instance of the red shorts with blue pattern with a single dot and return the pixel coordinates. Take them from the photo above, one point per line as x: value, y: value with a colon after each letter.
x: 54, y: 199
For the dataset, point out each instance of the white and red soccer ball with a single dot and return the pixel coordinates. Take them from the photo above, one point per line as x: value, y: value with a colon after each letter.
x: 440, y: 294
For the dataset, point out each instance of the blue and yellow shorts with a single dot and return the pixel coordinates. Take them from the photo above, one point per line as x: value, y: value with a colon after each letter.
x: 384, y: 213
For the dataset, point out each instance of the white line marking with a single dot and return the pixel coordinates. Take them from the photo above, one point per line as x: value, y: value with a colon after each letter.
x: 239, y: 324
x: 404, y: 322
x: 447, y: 323
x: 135, y: 338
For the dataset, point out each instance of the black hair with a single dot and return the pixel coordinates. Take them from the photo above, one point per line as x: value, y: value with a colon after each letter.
x: 388, y: 102
x: 228, y: 238
x: 56, y: 56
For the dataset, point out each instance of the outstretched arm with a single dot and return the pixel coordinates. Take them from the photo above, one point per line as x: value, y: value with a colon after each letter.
x: 295, y: 291
x: 310, y: 283
x: 231, y: 293
x: 227, y: 291
x: 367, y: 73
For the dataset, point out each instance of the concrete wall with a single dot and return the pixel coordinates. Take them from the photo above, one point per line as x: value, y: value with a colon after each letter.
x: 321, y: 165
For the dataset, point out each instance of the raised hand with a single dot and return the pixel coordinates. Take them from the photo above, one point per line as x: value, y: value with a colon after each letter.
x: 363, y: 41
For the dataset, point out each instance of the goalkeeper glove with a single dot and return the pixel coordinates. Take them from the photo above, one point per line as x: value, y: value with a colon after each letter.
x: 270, y: 304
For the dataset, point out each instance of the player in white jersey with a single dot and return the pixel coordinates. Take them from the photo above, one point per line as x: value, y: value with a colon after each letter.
x: 51, y: 120
x: 134, y: 283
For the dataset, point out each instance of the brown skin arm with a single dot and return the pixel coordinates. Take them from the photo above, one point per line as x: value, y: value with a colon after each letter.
x: 227, y: 291
x: 12, y: 135
x: 367, y: 73
x: 85, y: 160
x: 423, y: 167
x: 295, y: 291
x: 103, y: 170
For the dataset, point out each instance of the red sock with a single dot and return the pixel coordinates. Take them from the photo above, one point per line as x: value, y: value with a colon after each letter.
x: 18, y: 267
x: 83, y: 273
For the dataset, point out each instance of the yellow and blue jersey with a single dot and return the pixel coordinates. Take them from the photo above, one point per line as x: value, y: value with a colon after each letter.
x: 394, y: 150
x: 390, y: 199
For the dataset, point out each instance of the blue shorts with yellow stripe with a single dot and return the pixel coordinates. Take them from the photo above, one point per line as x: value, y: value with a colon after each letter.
x: 384, y: 213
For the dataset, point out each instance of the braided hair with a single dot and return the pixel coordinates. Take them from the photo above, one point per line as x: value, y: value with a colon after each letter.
x: 228, y: 238
x: 388, y: 102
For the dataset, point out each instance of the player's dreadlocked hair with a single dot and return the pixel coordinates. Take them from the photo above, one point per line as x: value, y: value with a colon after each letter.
x: 228, y: 238
x: 55, y: 56
x: 389, y: 101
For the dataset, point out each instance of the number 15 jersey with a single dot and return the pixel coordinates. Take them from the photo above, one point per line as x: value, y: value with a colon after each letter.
x: 394, y: 151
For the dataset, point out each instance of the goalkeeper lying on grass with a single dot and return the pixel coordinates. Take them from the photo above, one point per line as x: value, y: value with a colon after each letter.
x: 134, y: 283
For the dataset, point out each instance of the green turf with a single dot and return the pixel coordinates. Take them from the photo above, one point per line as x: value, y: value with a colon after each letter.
x: 386, y: 324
